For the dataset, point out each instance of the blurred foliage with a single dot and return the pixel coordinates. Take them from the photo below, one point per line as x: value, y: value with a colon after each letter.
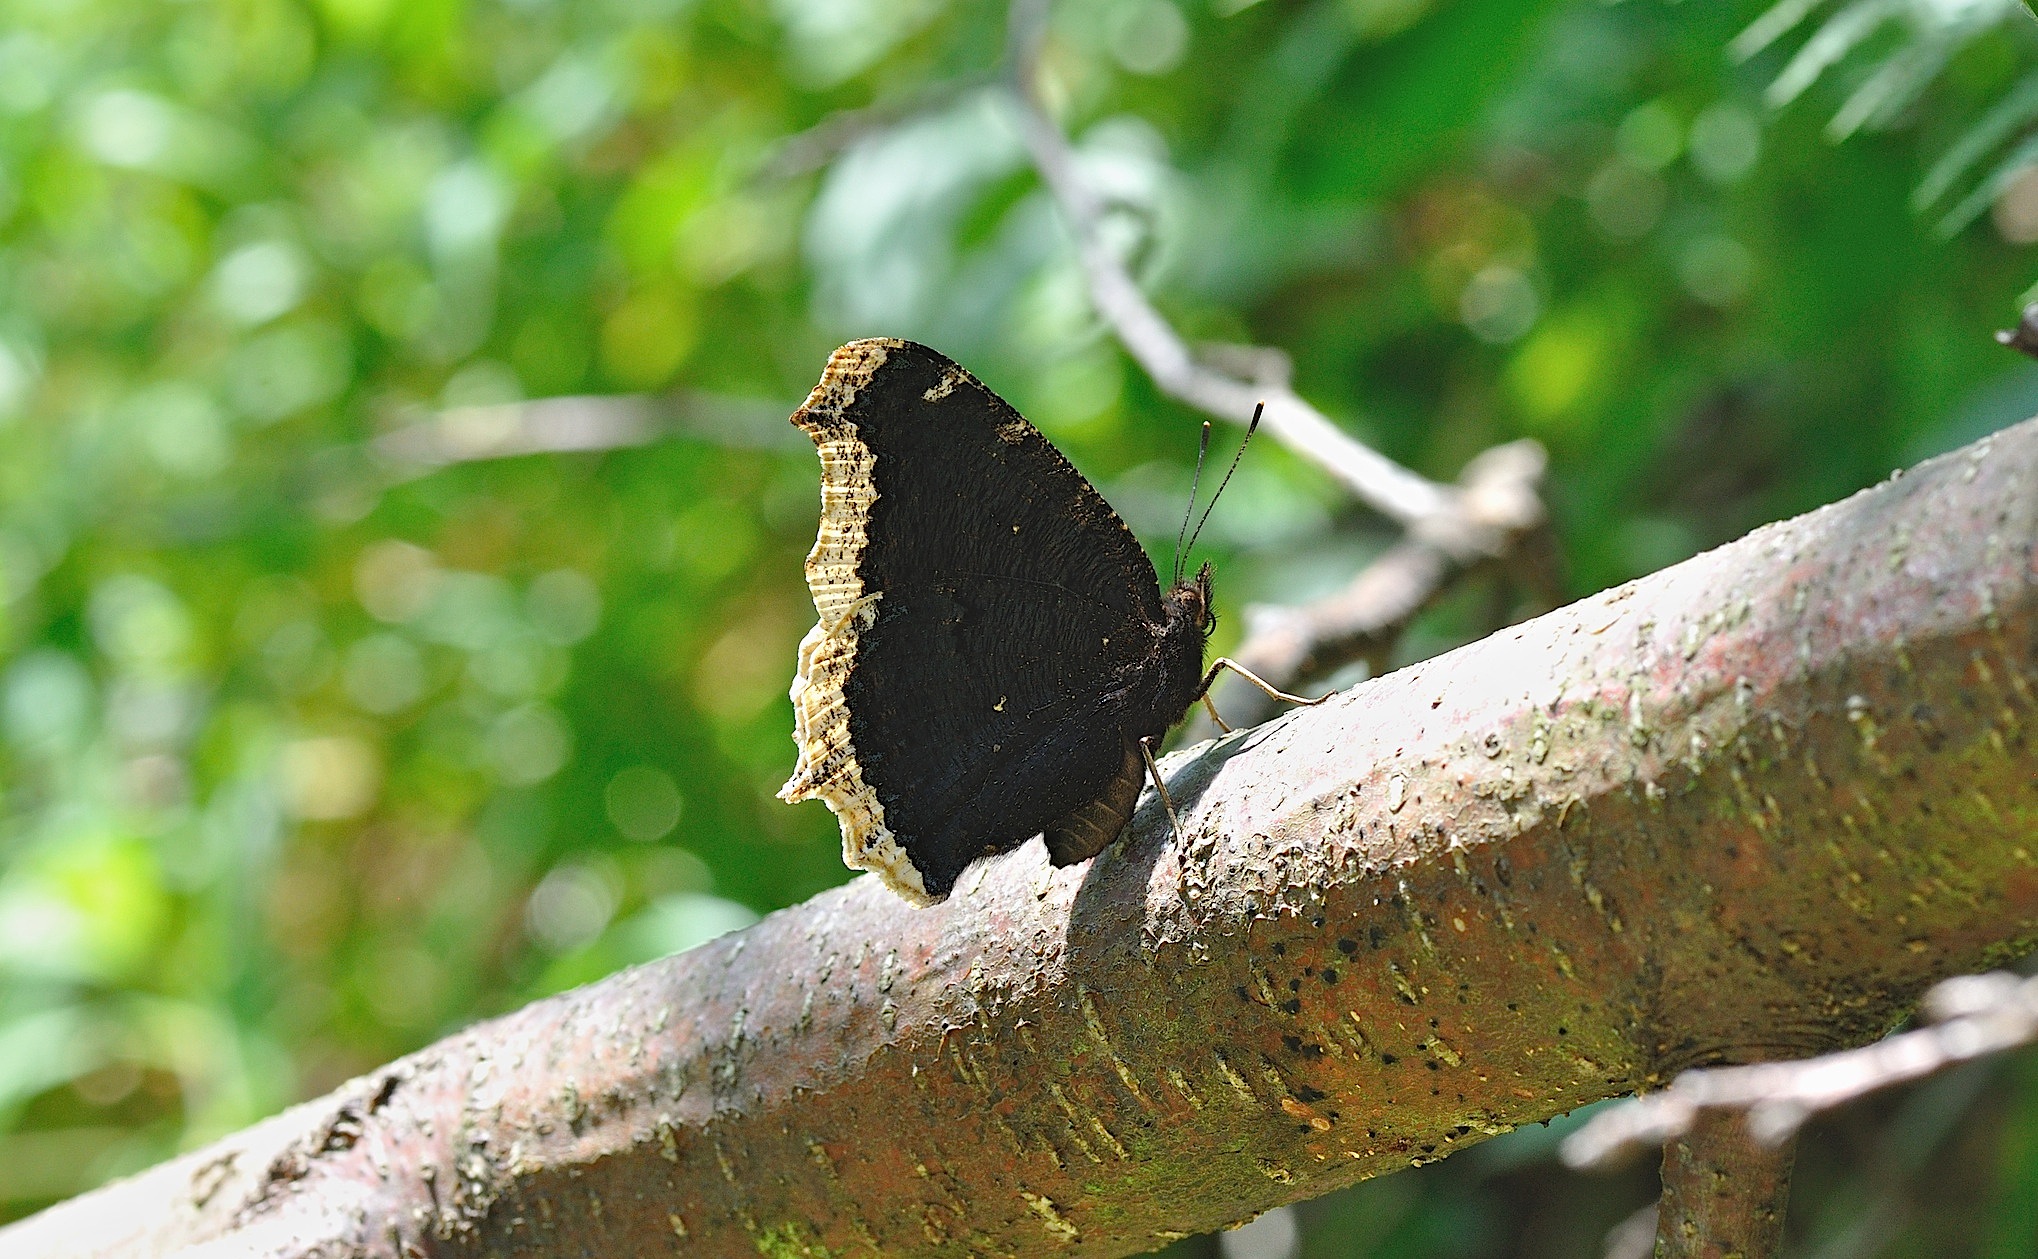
x: 311, y: 755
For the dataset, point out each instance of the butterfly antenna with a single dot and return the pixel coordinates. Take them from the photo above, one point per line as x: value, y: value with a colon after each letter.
x: 1202, y: 449
x: 1250, y: 429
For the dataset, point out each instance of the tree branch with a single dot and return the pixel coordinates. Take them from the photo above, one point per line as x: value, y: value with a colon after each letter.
x: 1747, y: 807
x: 1976, y: 1016
x: 1403, y: 496
x: 580, y: 423
x: 1294, y: 646
x: 1723, y: 1192
x: 1451, y: 529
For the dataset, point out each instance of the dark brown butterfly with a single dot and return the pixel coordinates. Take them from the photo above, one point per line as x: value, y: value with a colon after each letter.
x: 994, y: 656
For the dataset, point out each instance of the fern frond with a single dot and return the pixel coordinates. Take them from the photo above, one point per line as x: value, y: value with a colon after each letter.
x: 1842, y: 34
x: 1776, y: 22
x: 1975, y: 203
x: 1897, y: 82
x: 2015, y: 110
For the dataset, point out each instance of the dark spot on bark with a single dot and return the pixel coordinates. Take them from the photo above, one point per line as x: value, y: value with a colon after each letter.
x: 1294, y: 1044
x: 1330, y: 974
x: 1307, y: 1094
x: 1563, y: 1031
x: 1376, y: 936
x: 1347, y: 946
x: 1432, y: 1064
x: 1243, y: 995
x: 1513, y: 1007
x: 1291, y: 1006
x: 1928, y: 732
x: 1280, y: 950
x: 1294, y: 985
x: 1503, y: 869
x: 1389, y: 1059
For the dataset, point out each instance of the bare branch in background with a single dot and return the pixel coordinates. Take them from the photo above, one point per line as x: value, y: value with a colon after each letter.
x: 1409, y: 499
x: 2024, y: 337
x: 1634, y: 1237
x: 1723, y: 1194
x: 1451, y: 529
x: 582, y: 423
x: 1294, y: 646
x: 1972, y: 1016
x: 807, y: 151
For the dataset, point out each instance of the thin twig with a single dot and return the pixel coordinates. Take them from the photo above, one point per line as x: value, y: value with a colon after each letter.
x: 1974, y: 1016
x: 1401, y: 495
x: 2024, y: 337
x: 807, y: 151
x: 506, y: 430
x: 1294, y: 646
x: 1634, y: 1237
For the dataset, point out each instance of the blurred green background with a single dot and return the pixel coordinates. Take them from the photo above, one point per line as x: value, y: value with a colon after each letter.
x: 323, y: 732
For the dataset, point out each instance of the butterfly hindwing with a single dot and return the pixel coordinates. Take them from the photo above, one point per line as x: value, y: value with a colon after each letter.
x: 982, y: 609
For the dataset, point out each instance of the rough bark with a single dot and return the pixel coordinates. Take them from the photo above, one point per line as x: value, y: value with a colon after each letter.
x: 1723, y: 1192
x: 1745, y: 808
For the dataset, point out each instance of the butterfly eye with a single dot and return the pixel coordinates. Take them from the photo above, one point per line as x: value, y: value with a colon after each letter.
x: 1209, y: 621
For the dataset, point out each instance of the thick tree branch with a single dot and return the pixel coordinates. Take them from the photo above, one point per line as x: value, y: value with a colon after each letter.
x: 1747, y: 808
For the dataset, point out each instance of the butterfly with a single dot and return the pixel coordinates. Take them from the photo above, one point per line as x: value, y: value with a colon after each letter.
x: 994, y: 657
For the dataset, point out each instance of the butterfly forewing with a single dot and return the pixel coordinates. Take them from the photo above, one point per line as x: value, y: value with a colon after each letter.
x: 989, y: 609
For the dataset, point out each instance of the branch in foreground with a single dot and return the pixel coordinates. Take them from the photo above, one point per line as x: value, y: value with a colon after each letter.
x: 1974, y: 1016
x: 1750, y: 806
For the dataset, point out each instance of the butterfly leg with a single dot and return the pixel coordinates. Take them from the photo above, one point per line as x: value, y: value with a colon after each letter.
x: 1167, y: 801
x: 1211, y: 708
x: 1272, y: 691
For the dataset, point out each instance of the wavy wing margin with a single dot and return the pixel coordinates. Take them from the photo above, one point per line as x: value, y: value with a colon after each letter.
x: 827, y: 768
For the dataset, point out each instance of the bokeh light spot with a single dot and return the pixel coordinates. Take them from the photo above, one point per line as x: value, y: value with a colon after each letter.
x: 643, y: 803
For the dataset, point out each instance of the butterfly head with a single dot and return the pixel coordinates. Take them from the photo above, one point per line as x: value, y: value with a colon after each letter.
x: 1189, y: 605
